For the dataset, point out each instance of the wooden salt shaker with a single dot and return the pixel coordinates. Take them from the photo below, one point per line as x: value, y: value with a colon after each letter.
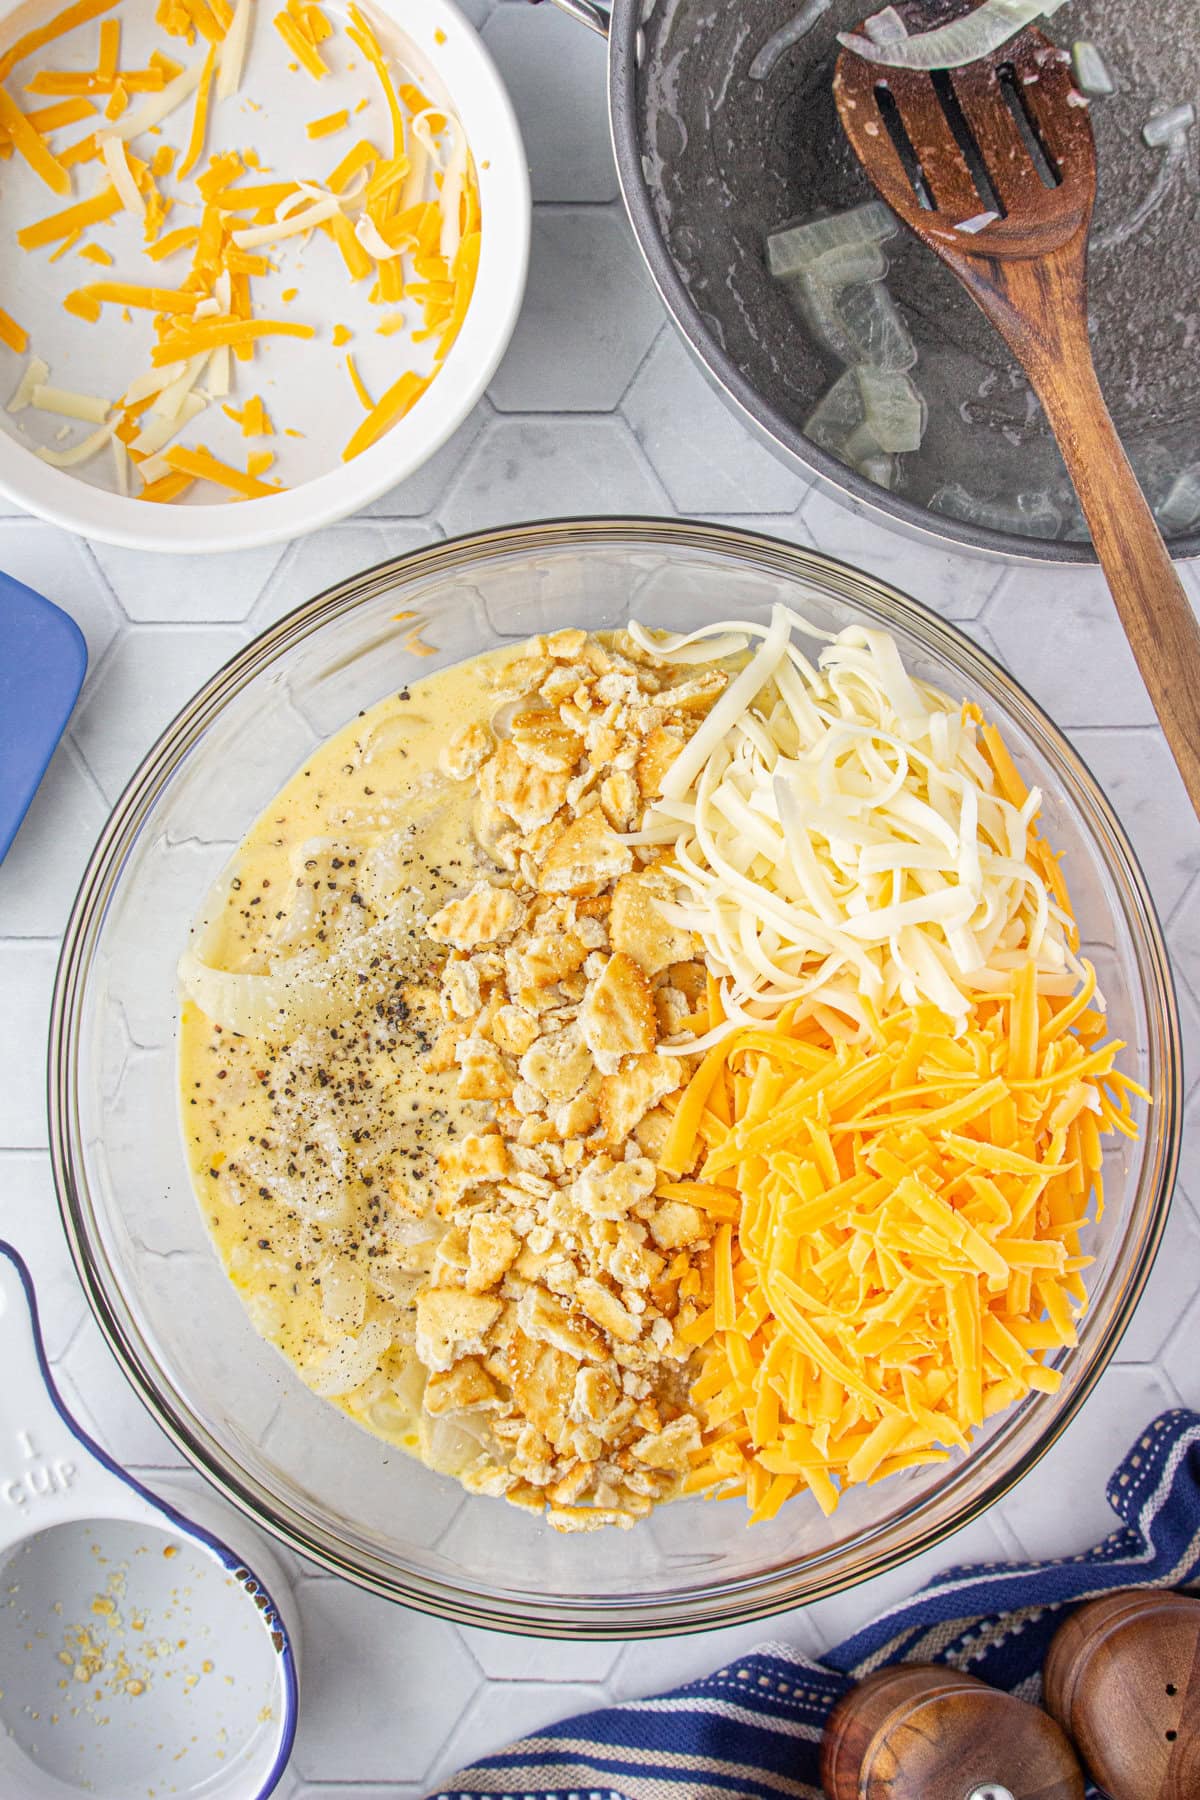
x: 1123, y: 1680
x: 924, y: 1732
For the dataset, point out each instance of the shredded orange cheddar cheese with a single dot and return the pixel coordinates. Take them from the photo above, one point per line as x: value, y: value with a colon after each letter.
x: 64, y: 112
x: 399, y: 399
x: 362, y: 156
x: 195, y: 144
x: 182, y: 239
x: 360, y: 33
x: 32, y: 146
x: 125, y: 293
x: 110, y: 49
x: 71, y: 218
x: 83, y: 81
x: 328, y: 124
x: 300, y: 46
x: 359, y: 385
x: 904, y: 1251
x: 255, y: 420
x: 78, y: 14
x: 167, y: 487
x: 67, y: 244
x: 203, y: 466
x: 210, y: 334
x: 12, y: 334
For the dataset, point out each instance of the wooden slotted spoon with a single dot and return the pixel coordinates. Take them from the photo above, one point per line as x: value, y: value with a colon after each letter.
x: 1008, y: 134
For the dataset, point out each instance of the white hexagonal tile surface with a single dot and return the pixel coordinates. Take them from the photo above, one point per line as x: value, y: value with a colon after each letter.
x: 380, y: 1707
x: 203, y: 588
x: 151, y: 672
x: 707, y: 460
x: 557, y: 74
x: 545, y: 469
x: 955, y: 584
x: 64, y: 569
x: 26, y: 979
x: 39, y: 875
x: 590, y: 315
x: 596, y: 409
x: 1058, y: 631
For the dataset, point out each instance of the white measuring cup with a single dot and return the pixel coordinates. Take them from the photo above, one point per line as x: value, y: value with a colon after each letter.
x: 139, y: 1655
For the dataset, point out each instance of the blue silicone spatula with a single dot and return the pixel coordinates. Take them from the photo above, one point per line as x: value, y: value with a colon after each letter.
x: 42, y: 662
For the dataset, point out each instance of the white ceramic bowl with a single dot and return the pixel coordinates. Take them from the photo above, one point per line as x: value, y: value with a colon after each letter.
x: 448, y: 50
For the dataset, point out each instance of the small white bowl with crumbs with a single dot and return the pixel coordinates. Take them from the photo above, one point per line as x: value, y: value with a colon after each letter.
x: 260, y: 258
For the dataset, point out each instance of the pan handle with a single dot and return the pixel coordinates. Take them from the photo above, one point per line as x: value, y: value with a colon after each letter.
x: 596, y: 17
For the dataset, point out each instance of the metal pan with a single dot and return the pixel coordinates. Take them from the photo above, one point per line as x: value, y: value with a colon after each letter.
x: 712, y: 160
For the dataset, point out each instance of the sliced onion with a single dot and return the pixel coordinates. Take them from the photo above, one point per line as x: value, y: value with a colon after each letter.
x: 262, y: 1006
x: 1090, y: 71
x: 343, y: 1294
x: 962, y: 41
x: 1164, y: 127
x: 886, y: 27
x: 1181, y: 508
x: 785, y: 37
x: 390, y: 1418
x: 349, y: 1362
x: 978, y: 222
x: 796, y: 249
x: 450, y: 1445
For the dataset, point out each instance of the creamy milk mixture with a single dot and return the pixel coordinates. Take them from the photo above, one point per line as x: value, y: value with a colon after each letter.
x: 294, y: 1147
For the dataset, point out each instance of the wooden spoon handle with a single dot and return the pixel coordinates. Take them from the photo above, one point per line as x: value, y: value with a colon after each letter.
x: 1151, y: 600
x: 1045, y: 323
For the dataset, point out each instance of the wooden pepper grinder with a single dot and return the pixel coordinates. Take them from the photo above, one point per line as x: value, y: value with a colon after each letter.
x: 923, y: 1732
x: 1123, y: 1680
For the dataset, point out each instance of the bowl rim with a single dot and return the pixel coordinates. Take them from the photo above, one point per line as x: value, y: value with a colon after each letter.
x: 723, y: 1603
x: 470, y: 75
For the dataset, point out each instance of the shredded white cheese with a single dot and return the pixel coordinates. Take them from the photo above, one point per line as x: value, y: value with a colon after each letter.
x: 233, y: 50
x: 839, y: 840
x: 161, y: 430
x: 78, y: 453
x: 453, y: 182
x: 68, y: 404
x: 413, y: 190
x: 255, y: 235
x: 373, y: 240
x: 153, y: 468
x: 218, y: 373
x: 112, y: 148
x: 120, y: 465
x: 171, y: 398
x: 152, y: 382
x: 156, y: 107
x: 32, y: 376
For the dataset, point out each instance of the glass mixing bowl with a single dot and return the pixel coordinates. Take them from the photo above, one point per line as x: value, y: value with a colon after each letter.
x: 232, y: 1404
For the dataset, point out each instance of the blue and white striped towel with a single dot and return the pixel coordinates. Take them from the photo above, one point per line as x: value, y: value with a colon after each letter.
x: 752, y: 1731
